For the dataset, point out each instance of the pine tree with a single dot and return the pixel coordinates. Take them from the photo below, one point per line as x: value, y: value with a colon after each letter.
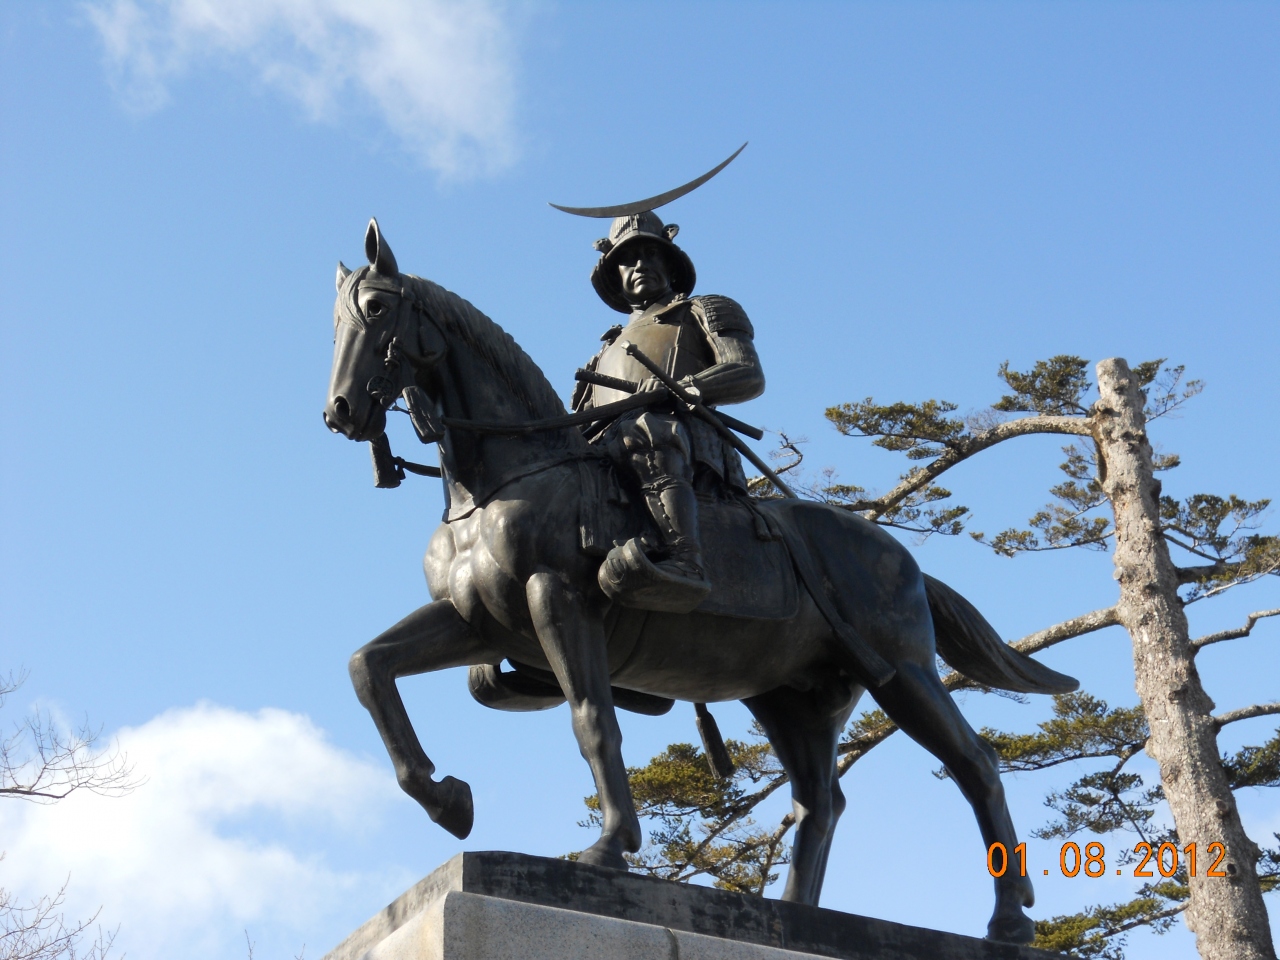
x: 1111, y: 500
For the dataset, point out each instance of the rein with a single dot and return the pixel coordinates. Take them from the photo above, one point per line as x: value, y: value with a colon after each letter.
x: 605, y: 412
x: 389, y: 469
x: 380, y: 389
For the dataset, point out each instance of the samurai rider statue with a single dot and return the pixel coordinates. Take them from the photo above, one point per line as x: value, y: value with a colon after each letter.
x: 705, y: 344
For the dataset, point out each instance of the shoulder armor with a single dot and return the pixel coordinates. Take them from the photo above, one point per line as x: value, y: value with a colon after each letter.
x: 581, y: 389
x: 723, y: 315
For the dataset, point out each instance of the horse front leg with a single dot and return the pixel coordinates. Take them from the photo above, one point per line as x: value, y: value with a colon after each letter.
x: 433, y: 637
x: 573, y: 639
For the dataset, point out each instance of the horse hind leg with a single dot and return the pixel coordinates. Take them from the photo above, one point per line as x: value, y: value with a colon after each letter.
x: 433, y: 637
x: 918, y: 702
x: 804, y: 730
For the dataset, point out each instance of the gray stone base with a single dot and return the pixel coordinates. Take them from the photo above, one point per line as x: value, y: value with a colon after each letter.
x: 507, y: 906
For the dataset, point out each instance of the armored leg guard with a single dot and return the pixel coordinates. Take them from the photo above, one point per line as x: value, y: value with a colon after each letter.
x: 673, y: 581
x: 674, y: 508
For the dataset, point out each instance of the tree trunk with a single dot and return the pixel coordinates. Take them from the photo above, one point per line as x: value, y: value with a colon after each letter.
x: 1227, y: 916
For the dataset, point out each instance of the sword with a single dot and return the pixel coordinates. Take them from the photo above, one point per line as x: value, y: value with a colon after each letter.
x: 630, y: 386
x: 695, y: 404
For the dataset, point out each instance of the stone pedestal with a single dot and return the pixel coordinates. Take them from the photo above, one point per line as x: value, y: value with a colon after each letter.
x: 507, y: 906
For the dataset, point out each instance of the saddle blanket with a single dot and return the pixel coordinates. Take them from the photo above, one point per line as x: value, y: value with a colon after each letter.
x: 746, y: 558
x: 751, y: 577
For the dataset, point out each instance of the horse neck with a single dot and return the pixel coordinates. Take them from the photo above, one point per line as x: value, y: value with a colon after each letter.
x: 486, y: 376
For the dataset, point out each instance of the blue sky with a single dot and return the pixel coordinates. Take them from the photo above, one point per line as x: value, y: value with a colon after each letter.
x: 189, y: 557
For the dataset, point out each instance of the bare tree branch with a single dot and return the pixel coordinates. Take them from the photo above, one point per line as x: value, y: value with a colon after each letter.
x: 1246, y: 713
x: 43, y: 763
x: 39, y: 931
x: 1238, y: 632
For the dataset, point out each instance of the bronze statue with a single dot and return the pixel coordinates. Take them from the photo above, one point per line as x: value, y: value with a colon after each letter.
x: 804, y: 605
x: 704, y: 343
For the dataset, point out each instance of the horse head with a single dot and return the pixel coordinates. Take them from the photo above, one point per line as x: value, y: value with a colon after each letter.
x: 381, y: 344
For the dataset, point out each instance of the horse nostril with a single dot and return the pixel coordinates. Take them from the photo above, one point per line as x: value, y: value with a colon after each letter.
x: 341, y: 409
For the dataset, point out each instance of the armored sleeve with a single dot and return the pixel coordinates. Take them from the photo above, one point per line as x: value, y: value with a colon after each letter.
x: 736, y: 375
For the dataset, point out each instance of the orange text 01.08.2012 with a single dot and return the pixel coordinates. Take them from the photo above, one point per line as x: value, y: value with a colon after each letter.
x: 1166, y: 859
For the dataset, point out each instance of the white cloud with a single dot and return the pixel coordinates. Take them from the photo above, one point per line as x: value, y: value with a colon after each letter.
x: 176, y: 863
x: 437, y: 71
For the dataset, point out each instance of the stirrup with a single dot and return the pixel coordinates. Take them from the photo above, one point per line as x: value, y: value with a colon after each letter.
x: 633, y: 580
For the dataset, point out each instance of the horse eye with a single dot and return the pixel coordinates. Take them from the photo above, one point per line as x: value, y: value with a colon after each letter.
x: 374, y: 308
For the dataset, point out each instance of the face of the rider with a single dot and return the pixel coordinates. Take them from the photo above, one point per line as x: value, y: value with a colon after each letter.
x: 644, y: 272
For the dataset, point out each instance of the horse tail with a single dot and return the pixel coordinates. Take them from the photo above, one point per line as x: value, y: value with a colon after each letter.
x: 967, y: 642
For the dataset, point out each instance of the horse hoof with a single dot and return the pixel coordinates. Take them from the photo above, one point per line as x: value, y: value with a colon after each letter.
x: 1012, y: 929
x: 454, y: 809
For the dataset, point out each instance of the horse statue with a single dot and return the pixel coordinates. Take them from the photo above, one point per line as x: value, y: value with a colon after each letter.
x: 513, y: 574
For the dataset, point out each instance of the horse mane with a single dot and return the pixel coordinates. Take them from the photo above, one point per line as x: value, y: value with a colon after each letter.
x: 493, y: 345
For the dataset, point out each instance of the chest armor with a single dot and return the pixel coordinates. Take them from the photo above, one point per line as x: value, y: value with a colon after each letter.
x: 674, y: 340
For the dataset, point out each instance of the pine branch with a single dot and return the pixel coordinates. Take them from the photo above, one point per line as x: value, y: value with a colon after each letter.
x: 1164, y: 389
x: 1052, y: 386
x: 1196, y: 574
x: 1190, y: 548
x: 851, y: 751
x: 968, y: 446
x: 1256, y: 767
x: 1098, y: 932
x: 1217, y: 529
x: 1246, y: 713
x: 1067, y: 630
x: 1238, y: 632
x: 1214, y: 579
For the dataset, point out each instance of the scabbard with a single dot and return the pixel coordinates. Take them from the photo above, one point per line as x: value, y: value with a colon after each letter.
x: 698, y: 409
x: 630, y: 386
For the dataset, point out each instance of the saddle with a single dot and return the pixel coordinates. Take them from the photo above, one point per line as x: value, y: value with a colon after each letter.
x: 743, y: 549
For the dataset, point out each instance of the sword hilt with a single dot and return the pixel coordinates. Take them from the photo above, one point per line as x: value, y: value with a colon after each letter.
x: 733, y: 423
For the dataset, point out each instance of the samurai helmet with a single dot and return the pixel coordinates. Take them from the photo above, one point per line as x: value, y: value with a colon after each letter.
x: 627, y: 231
x: 637, y: 221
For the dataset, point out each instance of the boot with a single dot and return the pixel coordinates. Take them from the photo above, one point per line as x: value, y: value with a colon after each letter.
x: 674, y: 508
x: 675, y: 583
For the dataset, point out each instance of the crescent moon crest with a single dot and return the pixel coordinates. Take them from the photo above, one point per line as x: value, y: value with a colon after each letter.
x: 650, y: 203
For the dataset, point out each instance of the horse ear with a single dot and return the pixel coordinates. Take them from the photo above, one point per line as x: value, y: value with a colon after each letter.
x: 379, y: 254
x: 343, y: 273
